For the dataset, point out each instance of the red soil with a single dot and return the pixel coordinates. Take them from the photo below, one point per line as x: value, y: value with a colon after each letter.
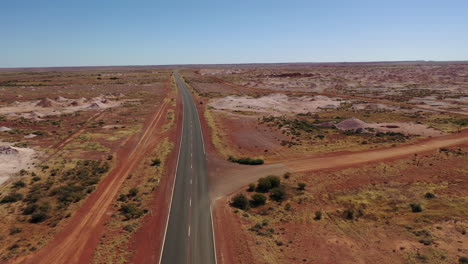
x: 226, y: 229
x: 77, y: 241
x: 148, y: 240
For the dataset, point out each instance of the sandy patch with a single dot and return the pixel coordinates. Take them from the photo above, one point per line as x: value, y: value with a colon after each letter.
x: 13, y: 159
x: 399, y: 127
x: 36, y: 110
x: 275, y: 104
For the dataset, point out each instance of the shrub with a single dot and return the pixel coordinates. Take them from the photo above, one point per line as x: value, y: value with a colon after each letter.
x: 264, y: 185
x: 240, y: 201
x: 287, y: 175
x: 30, y: 209
x: 246, y: 161
x: 463, y: 260
x: 429, y: 195
x: 277, y: 194
x: 155, y: 162
x: 39, y: 217
x: 15, y: 230
x: 122, y: 197
x: 19, y: 184
x: 69, y: 194
x: 129, y: 228
x: 348, y: 214
x: 287, y: 207
x: 12, y: 198
x: 133, y: 192
x: 301, y: 186
x: 251, y: 187
x: 131, y: 211
x: 258, y: 199
x: 36, y: 178
x: 274, y: 180
x: 318, y: 215
x: 416, y: 208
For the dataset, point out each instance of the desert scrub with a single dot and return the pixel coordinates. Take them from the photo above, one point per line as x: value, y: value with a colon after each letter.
x: 246, y: 161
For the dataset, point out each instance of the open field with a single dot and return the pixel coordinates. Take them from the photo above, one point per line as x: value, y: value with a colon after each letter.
x: 368, y: 162
x: 76, y: 137
x: 366, y: 141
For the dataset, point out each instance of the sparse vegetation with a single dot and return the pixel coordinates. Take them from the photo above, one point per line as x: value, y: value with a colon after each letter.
x: 246, y: 161
x: 258, y: 199
x: 416, y: 208
x: 240, y: 201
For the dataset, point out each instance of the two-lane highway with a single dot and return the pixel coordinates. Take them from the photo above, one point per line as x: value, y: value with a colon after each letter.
x: 189, y: 232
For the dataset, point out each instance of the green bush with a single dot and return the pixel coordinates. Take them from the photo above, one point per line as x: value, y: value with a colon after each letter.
x: 416, y: 208
x: 19, y: 184
x: 277, y: 194
x: 69, y: 194
x: 246, y: 161
x: 301, y: 186
x: 264, y: 185
x: 258, y: 199
x: 12, y: 198
x: 240, y: 201
x: 30, y: 209
x: 39, y: 217
x: 274, y: 180
x: 251, y: 187
x: 131, y: 211
x: 348, y: 214
x: 133, y: 192
x: 318, y: 215
x: 429, y: 195
x: 15, y: 230
x: 463, y: 260
x: 156, y: 162
x: 122, y: 198
x: 36, y: 178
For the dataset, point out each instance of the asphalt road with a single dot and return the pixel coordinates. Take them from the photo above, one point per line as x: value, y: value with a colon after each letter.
x: 189, y: 232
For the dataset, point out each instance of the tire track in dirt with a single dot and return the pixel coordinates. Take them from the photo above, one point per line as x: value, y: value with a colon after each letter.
x: 77, y: 241
x: 232, y: 180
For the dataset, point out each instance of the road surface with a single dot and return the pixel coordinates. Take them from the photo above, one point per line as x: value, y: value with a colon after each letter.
x: 189, y: 232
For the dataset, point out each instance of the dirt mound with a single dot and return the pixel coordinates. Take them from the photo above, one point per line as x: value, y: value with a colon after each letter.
x: 75, y: 103
x: 12, y: 160
x: 5, y: 129
x: 94, y: 106
x: 46, y: 102
x: 61, y: 99
x: 7, y: 150
x: 351, y: 124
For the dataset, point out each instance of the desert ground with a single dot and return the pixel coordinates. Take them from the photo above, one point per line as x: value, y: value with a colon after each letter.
x: 307, y: 163
x: 82, y: 154
x: 370, y: 162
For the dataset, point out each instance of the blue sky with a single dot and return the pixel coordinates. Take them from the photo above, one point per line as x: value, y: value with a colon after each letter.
x: 143, y: 32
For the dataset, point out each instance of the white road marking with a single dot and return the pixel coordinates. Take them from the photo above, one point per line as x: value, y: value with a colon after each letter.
x: 190, y: 202
x: 190, y: 181
x: 188, y: 230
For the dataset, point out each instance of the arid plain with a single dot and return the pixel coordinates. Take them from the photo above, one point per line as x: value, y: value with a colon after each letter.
x: 307, y: 163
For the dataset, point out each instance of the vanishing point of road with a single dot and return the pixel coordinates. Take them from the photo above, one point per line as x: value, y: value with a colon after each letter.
x: 189, y: 232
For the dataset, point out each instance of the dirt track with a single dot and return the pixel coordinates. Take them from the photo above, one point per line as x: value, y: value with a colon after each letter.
x: 230, y: 181
x: 77, y: 241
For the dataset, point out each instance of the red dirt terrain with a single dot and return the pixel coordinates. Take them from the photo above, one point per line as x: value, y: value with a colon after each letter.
x: 148, y: 240
x: 76, y: 242
x: 223, y: 184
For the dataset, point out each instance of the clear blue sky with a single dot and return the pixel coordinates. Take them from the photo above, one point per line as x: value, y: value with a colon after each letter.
x: 143, y: 32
